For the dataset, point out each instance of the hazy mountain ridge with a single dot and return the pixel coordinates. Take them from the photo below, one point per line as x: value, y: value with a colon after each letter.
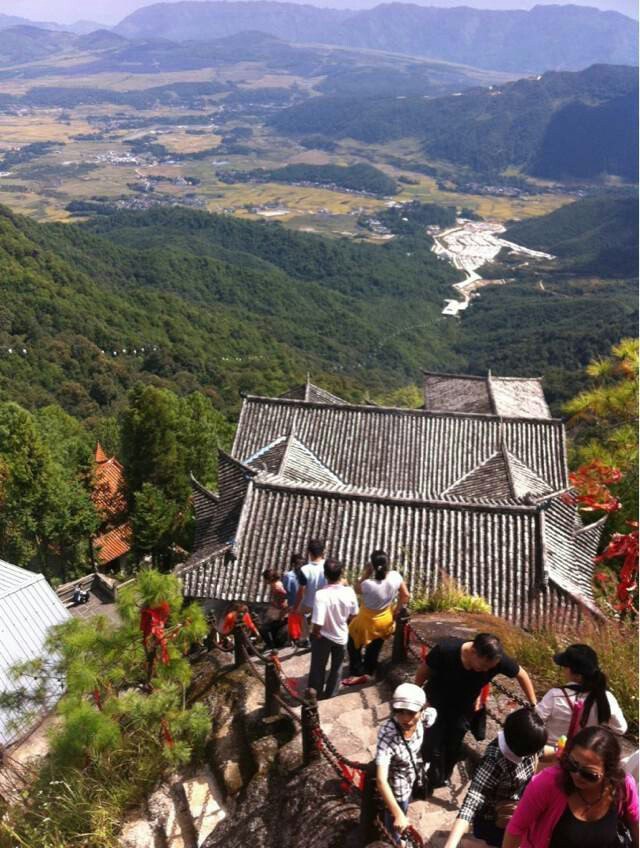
x: 339, y: 67
x: 79, y: 27
x: 546, y: 37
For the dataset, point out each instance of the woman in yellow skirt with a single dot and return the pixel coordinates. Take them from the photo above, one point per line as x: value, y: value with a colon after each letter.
x: 380, y: 589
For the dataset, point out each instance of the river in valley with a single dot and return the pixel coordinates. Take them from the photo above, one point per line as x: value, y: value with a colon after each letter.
x: 468, y: 246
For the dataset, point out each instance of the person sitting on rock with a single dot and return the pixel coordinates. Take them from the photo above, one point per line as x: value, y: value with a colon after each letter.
x: 454, y: 673
x: 379, y: 588
x: 80, y: 596
x: 583, y: 701
x: 399, y: 766
x: 334, y: 607
x: 508, y: 764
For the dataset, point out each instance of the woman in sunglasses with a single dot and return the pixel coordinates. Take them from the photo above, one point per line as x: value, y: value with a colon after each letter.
x: 585, y: 801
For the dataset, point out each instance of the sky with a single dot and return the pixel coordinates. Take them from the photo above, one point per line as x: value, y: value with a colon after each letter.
x: 109, y: 12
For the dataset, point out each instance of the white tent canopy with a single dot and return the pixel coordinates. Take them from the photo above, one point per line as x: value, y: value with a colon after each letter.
x: 28, y: 608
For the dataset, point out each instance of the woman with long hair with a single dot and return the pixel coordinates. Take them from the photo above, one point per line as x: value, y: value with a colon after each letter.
x: 277, y: 609
x: 379, y: 587
x: 583, y: 701
x: 586, y: 801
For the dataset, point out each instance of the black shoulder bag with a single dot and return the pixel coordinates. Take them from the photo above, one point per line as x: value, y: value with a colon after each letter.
x: 419, y: 790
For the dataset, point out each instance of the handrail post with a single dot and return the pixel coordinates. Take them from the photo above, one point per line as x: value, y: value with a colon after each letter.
x: 239, y: 649
x: 368, y: 806
x: 271, y: 687
x: 399, y: 651
x: 310, y: 721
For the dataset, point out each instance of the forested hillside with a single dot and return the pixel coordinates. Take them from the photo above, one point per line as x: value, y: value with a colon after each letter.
x: 360, y: 177
x: 596, y: 235
x: 558, y: 125
x: 189, y: 300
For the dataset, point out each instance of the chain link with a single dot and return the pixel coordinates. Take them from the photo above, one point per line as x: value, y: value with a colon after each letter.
x: 325, y: 746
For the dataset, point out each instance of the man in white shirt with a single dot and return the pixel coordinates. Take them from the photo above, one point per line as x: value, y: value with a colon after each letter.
x: 334, y: 607
x: 311, y: 578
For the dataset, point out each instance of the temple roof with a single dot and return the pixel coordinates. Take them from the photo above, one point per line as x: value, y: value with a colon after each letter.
x: 112, y: 544
x: 503, y: 478
x: 477, y: 495
x: 520, y: 397
x: 108, y: 493
x: 310, y: 392
x: 402, y: 450
x: 288, y: 459
x: 480, y: 544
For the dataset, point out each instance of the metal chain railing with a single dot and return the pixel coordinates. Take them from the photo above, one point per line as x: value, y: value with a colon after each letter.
x: 353, y: 775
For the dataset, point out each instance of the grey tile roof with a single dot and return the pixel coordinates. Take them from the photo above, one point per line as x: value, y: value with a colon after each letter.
x: 402, y: 450
x: 476, y: 544
x: 519, y: 397
x: 288, y: 459
x: 309, y: 392
x: 480, y: 497
x: 217, y: 515
x: 501, y: 478
x: 569, y: 551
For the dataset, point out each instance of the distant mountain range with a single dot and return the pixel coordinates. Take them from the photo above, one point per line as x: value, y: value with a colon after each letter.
x: 79, y: 27
x: 544, y: 38
x: 557, y: 125
x: 331, y: 69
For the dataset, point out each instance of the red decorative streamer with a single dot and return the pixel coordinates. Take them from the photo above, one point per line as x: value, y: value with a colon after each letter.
x: 152, y: 623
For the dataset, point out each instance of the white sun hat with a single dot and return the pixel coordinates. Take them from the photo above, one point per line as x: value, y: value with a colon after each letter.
x: 408, y: 696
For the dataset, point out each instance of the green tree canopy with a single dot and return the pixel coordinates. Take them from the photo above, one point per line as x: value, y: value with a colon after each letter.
x: 47, y: 515
x: 166, y: 438
x: 604, y: 422
x: 124, y: 721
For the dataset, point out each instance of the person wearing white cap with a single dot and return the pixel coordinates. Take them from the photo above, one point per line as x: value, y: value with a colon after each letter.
x: 399, y: 765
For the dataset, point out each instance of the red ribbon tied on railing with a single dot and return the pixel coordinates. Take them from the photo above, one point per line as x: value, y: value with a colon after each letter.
x: 166, y: 733
x: 352, y: 777
x: 152, y: 623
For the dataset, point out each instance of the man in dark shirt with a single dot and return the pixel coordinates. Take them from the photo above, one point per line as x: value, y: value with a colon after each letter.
x: 453, y: 675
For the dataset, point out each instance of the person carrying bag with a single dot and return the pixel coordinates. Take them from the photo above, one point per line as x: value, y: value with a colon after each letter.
x: 400, y: 771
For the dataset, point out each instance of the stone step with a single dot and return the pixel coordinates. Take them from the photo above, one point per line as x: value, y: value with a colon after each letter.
x: 205, y: 803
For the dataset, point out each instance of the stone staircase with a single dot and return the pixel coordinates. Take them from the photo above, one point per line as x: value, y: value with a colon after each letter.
x: 179, y: 815
x: 351, y: 720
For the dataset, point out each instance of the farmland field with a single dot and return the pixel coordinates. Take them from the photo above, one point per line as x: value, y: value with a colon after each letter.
x: 181, y: 148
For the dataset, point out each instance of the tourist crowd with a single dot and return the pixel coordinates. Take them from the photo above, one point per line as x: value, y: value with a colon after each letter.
x: 553, y: 777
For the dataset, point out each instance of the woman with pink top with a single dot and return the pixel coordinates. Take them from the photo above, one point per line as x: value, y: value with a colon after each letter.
x: 586, y: 801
